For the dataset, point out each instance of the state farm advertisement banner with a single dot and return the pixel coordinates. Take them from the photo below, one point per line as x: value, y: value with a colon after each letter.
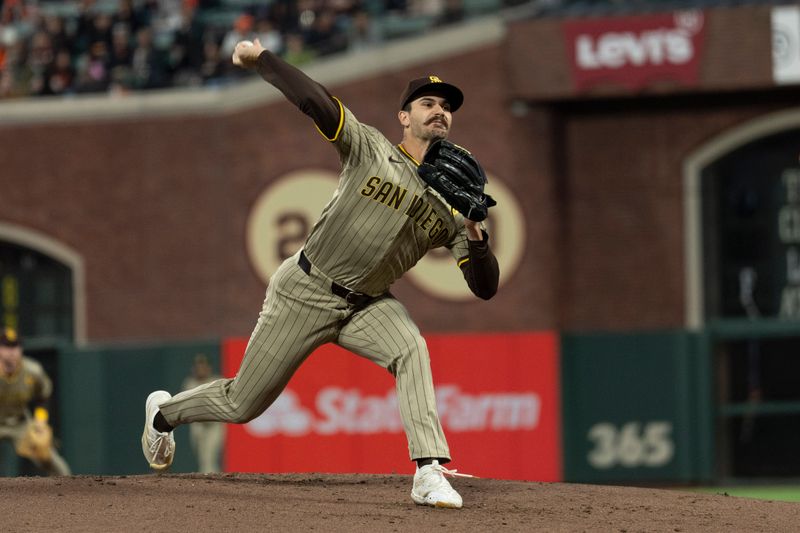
x: 497, y: 395
x: 636, y: 52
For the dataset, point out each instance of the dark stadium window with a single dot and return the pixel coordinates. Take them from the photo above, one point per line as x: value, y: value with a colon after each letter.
x: 36, y: 296
x: 751, y: 231
x: 751, y: 279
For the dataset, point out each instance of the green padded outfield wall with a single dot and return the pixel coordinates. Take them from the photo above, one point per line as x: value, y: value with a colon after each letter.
x: 636, y: 407
x: 101, y: 402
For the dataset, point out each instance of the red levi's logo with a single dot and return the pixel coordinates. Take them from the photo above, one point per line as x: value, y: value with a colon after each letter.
x: 636, y: 52
x: 496, y: 395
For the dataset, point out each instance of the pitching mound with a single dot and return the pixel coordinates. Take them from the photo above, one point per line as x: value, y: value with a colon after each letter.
x: 303, y: 502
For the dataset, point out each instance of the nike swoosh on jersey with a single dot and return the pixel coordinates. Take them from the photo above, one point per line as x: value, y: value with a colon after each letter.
x: 393, y: 160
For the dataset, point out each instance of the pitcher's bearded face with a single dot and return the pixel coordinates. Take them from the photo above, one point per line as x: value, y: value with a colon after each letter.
x: 430, y: 118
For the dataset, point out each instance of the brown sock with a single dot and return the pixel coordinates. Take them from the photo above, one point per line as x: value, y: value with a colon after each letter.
x: 428, y: 460
x: 161, y: 424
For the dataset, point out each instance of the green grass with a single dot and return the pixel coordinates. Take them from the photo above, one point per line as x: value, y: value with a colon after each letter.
x: 777, y: 493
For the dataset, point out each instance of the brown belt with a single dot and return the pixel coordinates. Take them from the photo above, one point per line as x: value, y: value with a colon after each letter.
x: 356, y: 299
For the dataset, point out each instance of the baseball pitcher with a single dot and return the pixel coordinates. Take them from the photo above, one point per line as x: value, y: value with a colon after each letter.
x: 385, y: 215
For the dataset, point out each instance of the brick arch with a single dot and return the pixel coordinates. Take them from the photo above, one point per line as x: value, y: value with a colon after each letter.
x: 60, y: 252
x: 693, y: 166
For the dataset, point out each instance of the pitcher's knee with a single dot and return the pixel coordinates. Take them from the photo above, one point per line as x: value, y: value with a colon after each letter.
x: 243, y: 417
x: 414, y: 351
x: 243, y: 411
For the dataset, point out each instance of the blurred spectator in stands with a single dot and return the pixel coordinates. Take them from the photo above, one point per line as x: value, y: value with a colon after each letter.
x: 428, y: 8
x: 214, y: 66
x: 12, y: 11
x: 395, y: 6
x: 60, y: 76
x: 40, y: 57
x: 7, y: 84
x: 59, y: 38
x: 284, y: 15
x: 296, y: 52
x: 186, y: 49
x: 343, y: 7
x: 148, y: 67
x: 121, y: 59
x: 169, y: 16
x: 242, y: 31
x: 363, y: 33
x: 269, y: 37
x: 131, y: 17
x: 344, y: 11
x: 97, y: 29
x: 84, y: 22
x: 179, y: 45
x: 306, y: 14
x: 92, y: 69
x: 452, y: 13
x: 324, y: 36
x: 41, y: 52
x: 15, y: 76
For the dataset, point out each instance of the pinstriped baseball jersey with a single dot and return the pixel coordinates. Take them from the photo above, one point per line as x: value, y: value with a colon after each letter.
x: 379, y: 223
x: 382, y: 218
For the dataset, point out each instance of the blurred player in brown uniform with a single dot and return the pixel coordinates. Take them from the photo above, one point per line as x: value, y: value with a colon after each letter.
x: 206, y: 438
x: 23, y: 383
x: 381, y: 220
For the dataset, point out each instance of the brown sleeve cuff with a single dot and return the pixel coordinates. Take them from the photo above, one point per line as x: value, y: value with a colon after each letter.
x: 309, y: 96
x: 481, y: 271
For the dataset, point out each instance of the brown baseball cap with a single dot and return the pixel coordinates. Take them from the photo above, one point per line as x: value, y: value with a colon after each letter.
x: 432, y: 85
x: 9, y: 338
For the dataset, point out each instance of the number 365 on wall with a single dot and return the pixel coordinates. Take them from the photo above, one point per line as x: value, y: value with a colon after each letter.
x: 631, y: 445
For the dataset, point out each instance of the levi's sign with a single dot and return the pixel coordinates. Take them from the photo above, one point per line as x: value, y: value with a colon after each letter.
x: 636, y: 52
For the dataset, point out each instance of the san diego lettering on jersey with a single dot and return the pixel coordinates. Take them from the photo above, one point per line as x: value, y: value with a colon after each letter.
x: 422, y: 212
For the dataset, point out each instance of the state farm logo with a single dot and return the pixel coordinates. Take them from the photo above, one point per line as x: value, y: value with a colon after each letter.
x: 349, y: 411
x: 636, y: 51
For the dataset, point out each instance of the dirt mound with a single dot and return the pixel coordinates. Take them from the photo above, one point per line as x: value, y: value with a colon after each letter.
x: 324, y: 502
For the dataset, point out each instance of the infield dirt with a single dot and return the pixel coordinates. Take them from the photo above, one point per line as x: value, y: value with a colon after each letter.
x: 325, y: 502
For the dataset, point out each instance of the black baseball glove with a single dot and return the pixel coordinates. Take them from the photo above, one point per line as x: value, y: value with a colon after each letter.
x: 452, y: 172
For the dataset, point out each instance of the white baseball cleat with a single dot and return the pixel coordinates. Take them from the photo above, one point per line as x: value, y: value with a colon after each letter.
x: 431, y: 487
x: 158, y: 448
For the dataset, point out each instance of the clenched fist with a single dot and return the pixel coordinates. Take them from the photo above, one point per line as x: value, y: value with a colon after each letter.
x: 246, y: 53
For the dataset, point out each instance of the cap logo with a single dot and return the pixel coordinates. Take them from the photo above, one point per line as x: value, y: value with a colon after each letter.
x: 11, y: 335
x: 435, y: 79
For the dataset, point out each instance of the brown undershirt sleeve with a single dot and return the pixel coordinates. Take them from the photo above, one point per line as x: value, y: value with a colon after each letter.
x: 309, y: 96
x: 481, y: 271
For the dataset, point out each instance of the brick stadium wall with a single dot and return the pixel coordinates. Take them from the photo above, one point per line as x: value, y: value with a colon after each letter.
x: 616, y: 162
x: 158, y: 207
x: 622, y: 209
